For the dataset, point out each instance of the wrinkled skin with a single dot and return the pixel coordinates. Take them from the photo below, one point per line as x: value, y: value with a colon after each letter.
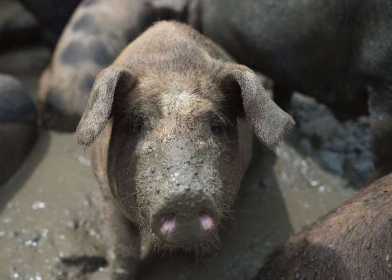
x: 171, y: 158
x: 352, y: 242
x: 18, y: 128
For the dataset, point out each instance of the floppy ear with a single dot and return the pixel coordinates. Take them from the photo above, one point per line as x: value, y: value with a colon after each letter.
x: 100, y: 103
x: 268, y: 120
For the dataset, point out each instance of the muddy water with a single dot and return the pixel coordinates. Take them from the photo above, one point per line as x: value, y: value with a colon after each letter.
x: 50, y: 225
x: 47, y: 211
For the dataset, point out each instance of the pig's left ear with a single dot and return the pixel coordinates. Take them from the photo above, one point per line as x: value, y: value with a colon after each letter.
x: 268, y: 120
x: 99, y: 106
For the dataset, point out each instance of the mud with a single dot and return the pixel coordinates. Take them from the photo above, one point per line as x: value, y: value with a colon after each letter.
x: 50, y: 226
x: 47, y: 211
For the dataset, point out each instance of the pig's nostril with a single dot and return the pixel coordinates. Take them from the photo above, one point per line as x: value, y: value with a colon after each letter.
x: 206, y: 221
x: 168, y: 224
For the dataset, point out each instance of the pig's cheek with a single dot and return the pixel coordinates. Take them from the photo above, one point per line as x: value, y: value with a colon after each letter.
x: 123, y: 169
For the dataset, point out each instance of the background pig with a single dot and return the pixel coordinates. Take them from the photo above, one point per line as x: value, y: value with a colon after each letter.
x: 96, y: 33
x: 170, y: 161
x: 18, y: 129
x: 352, y: 242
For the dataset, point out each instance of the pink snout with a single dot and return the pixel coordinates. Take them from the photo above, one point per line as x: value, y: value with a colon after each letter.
x: 185, y: 220
x: 169, y: 223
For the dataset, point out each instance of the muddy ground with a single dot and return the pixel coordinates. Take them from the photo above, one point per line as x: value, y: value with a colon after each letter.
x: 50, y: 226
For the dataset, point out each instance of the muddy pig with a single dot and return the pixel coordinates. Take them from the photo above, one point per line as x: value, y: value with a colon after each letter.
x: 18, y: 125
x: 170, y: 157
x: 352, y: 242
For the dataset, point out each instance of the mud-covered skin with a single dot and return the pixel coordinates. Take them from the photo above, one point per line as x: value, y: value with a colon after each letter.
x: 352, y: 242
x: 94, y: 36
x: 171, y: 158
x: 18, y: 128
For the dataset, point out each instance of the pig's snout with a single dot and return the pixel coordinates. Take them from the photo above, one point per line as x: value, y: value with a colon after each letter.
x: 185, y: 219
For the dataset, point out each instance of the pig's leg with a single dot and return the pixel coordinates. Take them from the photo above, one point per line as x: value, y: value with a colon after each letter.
x: 380, y: 107
x: 123, y: 237
x: 282, y: 96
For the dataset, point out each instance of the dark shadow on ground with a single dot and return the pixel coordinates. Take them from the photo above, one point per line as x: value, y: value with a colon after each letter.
x: 13, y: 185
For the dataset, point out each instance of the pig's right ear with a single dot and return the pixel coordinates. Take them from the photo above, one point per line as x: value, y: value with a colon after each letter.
x: 268, y: 120
x: 100, y: 103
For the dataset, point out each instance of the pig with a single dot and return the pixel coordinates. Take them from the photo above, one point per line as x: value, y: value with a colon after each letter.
x: 18, y: 125
x: 352, y: 242
x: 171, y: 110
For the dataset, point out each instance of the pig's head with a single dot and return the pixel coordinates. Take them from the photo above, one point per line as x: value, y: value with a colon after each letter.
x: 174, y: 159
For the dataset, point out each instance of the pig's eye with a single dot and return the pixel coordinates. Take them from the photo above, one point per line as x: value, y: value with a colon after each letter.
x: 135, y: 126
x: 217, y: 128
